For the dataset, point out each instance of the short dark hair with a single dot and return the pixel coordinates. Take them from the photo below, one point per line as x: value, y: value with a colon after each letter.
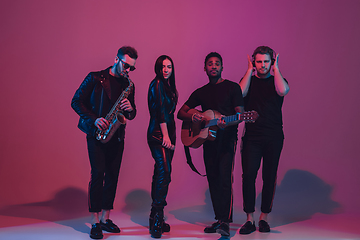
x: 264, y: 50
x: 213, y: 54
x: 127, y: 50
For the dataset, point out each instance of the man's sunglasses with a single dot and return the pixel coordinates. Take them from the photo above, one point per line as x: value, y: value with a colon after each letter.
x: 126, y: 65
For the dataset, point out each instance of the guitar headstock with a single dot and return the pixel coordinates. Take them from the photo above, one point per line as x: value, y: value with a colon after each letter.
x: 249, y: 116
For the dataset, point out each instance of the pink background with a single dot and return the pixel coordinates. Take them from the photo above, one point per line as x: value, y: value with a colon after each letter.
x: 48, y: 47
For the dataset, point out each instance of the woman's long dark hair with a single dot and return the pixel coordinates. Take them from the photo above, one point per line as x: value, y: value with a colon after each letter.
x: 170, y: 87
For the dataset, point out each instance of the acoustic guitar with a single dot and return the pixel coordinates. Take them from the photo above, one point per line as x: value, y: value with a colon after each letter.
x: 195, y: 134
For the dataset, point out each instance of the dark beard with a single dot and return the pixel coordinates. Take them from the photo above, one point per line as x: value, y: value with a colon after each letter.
x: 214, y: 79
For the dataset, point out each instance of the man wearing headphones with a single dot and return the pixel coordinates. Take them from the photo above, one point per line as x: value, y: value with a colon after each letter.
x: 263, y: 139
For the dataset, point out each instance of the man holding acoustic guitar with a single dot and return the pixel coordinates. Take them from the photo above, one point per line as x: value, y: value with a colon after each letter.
x: 217, y: 133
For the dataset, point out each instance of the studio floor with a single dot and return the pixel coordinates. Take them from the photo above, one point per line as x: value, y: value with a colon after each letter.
x: 319, y: 226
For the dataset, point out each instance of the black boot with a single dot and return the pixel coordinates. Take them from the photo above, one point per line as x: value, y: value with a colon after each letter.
x: 156, y: 227
x: 165, y: 226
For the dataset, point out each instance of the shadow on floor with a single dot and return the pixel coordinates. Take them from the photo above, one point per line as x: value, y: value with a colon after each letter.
x: 300, y: 195
x: 137, y: 206
x: 67, y: 208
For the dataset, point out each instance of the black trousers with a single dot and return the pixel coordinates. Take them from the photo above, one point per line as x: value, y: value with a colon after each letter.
x: 105, y: 161
x: 161, y: 177
x: 219, y: 164
x: 253, y: 150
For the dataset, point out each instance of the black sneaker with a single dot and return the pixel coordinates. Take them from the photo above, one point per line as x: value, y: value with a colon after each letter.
x: 109, y: 226
x: 264, y: 226
x: 96, y: 232
x: 212, y: 228
x: 247, y: 228
x: 224, y: 229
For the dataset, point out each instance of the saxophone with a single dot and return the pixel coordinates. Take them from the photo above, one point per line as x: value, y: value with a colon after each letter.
x: 115, y: 117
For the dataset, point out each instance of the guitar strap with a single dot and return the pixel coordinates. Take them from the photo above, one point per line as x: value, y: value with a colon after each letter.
x: 189, y: 160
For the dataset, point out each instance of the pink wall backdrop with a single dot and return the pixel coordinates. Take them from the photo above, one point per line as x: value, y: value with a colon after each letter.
x: 48, y: 47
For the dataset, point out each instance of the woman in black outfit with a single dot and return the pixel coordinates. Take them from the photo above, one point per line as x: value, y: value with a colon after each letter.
x: 161, y: 136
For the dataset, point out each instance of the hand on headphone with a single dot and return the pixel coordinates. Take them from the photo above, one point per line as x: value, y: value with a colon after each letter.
x: 276, y: 61
x: 250, y: 63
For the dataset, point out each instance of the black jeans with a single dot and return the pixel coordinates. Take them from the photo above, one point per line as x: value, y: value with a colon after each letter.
x: 268, y: 149
x: 162, y: 175
x: 219, y: 164
x: 105, y: 161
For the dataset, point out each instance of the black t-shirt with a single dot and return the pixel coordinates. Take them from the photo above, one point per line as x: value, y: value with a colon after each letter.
x: 263, y: 98
x: 117, y: 85
x: 222, y: 97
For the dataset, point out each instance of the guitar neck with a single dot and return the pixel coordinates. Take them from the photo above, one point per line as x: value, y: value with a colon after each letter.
x: 228, y: 120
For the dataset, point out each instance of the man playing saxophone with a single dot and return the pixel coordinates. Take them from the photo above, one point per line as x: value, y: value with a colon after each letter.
x: 98, y: 95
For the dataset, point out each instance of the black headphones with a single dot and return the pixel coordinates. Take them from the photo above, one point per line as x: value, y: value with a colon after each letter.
x: 264, y: 50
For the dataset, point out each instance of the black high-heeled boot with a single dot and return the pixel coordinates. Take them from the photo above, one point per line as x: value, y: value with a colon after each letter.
x: 165, y: 226
x: 156, y: 227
